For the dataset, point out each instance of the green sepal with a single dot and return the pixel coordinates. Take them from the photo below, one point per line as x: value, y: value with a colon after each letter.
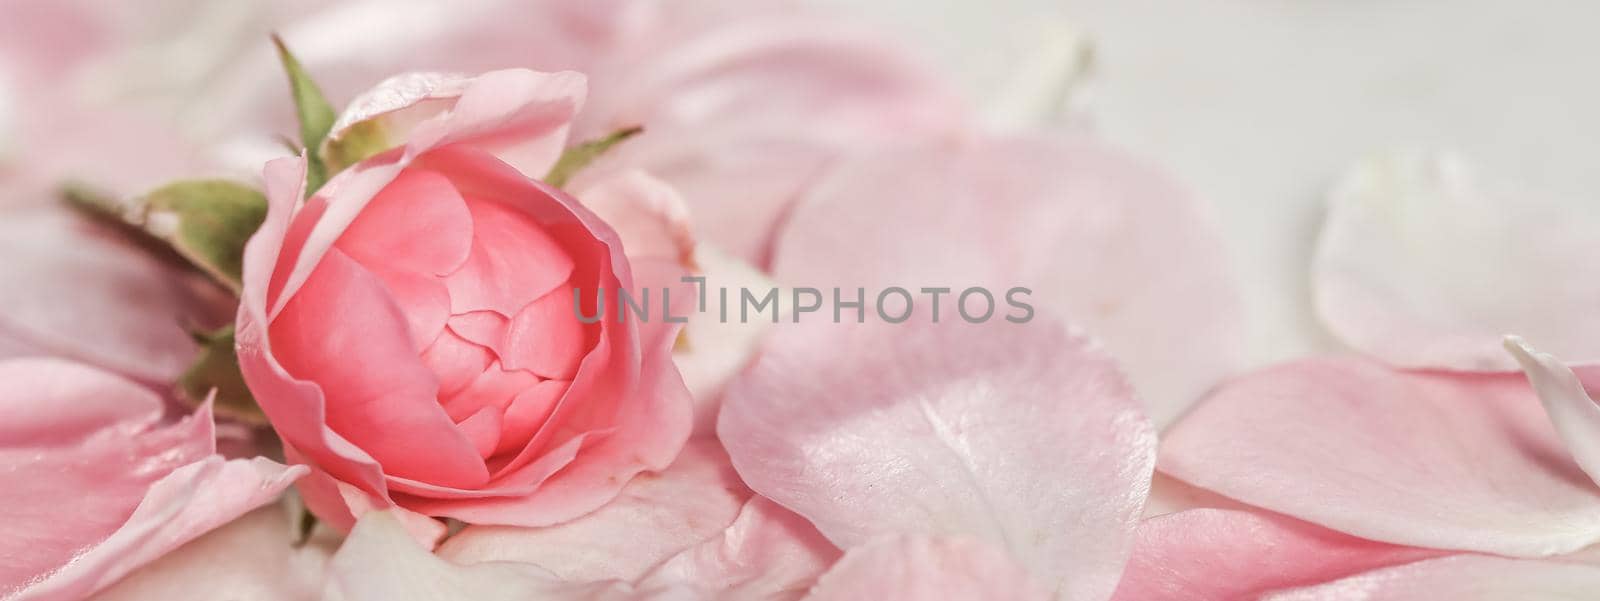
x: 216, y: 368
x: 578, y: 157
x: 206, y: 222
x: 312, y: 109
x: 203, y: 222
x: 360, y: 141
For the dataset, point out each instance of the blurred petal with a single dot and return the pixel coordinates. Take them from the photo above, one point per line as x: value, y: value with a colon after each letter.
x: 1019, y: 435
x: 1096, y: 237
x: 72, y: 289
x: 1436, y: 460
x: 647, y: 214
x: 714, y: 349
x: 1422, y: 266
x: 1224, y: 555
x: 1461, y: 578
x: 913, y: 568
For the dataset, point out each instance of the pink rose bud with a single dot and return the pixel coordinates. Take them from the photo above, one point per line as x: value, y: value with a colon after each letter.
x: 410, y: 330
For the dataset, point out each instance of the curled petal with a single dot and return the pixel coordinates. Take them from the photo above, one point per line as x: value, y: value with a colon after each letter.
x: 1571, y: 408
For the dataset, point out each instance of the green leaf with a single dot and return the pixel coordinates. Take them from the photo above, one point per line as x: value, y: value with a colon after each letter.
x: 315, y: 114
x: 578, y: 157
x: 206, y: 222
x: 362, y: 140
x: 216, y: 368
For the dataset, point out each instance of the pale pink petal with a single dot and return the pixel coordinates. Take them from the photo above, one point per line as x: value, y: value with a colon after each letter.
x: 647, y: 214
x: 73, y: 289
x: 1225, y: 555
x: 1171, y: 495
x: 380, y: 562
x: 1461, y: 578
x: 1424, y: 266
x: 716, y: 345
x: 1097, y: 238
x: 917, y: 568
x: 654, y: 517
x: 1459, y: 461
x: 1571, y: 409
x: 741, y: 114
x: 1023, y: 436
x: 340, y: 505
x: 253, y: 558
x: 768, y: 552
x: 53, y: 402
x: 520, y: 116
x: 398, y: 104
x: 188, y: 502
x: 118, y: 454
x: 94, y: 490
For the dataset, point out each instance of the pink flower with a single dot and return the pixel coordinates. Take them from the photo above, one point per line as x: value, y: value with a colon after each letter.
x: 410, y: 329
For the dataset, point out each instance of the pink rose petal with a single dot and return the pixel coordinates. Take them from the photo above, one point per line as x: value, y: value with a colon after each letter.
x: 97, y: 486
x: 1099, y: 238
x: 768, y: 552
x: 253, y: 558
x: 388, y: 401
x: 648, y: 215
x: 513, y: 262
x: 73, y: 289
x: 1465, y: 462
x: 654, y: 517
x: 913, y: 568
x: 1019, y: 435
x: 380, y: 562
x: 1424, y: 266
x: 1225, y: 554
x: 1461, y: 578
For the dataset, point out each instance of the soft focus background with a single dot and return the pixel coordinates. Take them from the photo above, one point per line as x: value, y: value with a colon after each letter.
x: 1258, y: 105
